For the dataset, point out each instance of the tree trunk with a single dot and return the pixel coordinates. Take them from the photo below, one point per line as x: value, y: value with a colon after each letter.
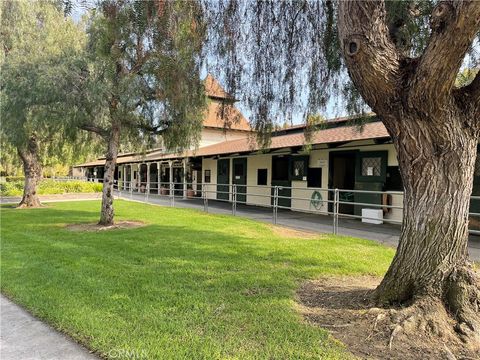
x: 436, y: 160
x: 33, y: 173
x: 107, y: 212
x: 435, y: 129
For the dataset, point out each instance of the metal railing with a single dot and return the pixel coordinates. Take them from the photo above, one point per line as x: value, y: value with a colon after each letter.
x: 328, y: 202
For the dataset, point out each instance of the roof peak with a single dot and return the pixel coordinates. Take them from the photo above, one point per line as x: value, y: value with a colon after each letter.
x: 213, y: 89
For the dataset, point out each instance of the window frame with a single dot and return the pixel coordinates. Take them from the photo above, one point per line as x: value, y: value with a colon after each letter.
x: 266, y: 176
x: 383, y: 155
x: 209, y: 176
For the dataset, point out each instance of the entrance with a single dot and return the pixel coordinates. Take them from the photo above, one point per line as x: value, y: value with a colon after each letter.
x: 342, y: 176
x: 223, y: 179
x: 240, y: 178
x: 281, y: 165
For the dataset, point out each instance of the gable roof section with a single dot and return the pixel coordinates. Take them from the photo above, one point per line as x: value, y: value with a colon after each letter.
x: 225, y: 116
x: 213, y: 89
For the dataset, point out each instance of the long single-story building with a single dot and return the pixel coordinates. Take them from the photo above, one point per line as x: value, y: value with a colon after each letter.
x: 339, y: 155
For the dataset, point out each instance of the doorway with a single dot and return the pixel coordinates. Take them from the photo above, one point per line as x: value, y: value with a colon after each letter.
x: 223, y: 179
x: 342, y: 176
x: 240, y: 178
x: 281, y: 166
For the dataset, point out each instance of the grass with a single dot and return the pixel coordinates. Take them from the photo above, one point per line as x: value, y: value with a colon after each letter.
x: 49, y: 187
x: 188, y: 285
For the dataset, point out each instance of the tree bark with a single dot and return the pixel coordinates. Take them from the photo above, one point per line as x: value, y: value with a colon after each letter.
x: 107, y: 212
x: 435, y: 130
x: 437, y: 166
x: 33, y: 173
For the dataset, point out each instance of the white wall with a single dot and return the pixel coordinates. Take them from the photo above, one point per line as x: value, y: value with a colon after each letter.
x: 215, y: 136
x: 300, y: 193
x: 259, y: 194
x: 210, y: 164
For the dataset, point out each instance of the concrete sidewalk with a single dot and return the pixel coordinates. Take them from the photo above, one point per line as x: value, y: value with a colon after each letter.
x: 387, y: 234
x: 23, y: 337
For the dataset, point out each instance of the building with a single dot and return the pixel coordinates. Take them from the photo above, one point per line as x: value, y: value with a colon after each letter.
x: 340, y: 155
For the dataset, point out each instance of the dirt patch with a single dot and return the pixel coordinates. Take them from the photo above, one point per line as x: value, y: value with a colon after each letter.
x: 287, y: 232
x: 96, y: 227
x: 342, y: 305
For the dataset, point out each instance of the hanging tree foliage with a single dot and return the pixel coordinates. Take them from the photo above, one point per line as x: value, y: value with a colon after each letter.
x: 401, y: 60
x: 141, y: 79
x: 39, y: 48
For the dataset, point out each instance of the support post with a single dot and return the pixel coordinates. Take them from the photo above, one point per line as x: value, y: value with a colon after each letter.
x: 335, y: 211
x: 131, y: 178
x: 185, y: 178
x: 147, y: 190
x: 124, y: 175
x: 171, y: 186
x: 158, y: 177
x: 234, y: 199
x: 205, y: 198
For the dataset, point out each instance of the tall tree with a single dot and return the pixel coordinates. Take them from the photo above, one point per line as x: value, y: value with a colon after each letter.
x: 39, y: 46
x: 141, y: 78
x: 402, y: 59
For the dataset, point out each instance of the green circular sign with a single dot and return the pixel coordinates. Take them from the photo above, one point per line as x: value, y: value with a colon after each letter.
x: 316, y: 200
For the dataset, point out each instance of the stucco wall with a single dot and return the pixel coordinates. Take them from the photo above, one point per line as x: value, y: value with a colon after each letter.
x: 215, y: 136
x: 259, y: 194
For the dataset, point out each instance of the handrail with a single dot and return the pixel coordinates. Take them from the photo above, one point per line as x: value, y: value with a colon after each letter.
x: 269, y: 196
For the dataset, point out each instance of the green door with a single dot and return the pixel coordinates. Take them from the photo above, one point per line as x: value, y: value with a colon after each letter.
x: 223, y: 179
x: 370, y: 175
x: 240, y: 178
x: 281, y: 177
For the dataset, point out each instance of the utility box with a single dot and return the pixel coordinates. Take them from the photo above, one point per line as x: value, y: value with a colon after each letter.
x: 372, y: 216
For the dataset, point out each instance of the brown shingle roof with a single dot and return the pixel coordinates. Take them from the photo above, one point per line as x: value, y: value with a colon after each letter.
x: 339, y: 134
x: 214, y: 89
x: 225, y: 116
x: 373, y: 130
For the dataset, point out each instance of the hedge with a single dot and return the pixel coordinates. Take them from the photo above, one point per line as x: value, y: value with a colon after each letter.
x: 48, y: 187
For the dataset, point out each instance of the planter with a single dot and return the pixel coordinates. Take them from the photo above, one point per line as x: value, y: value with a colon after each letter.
x: 164, y: 191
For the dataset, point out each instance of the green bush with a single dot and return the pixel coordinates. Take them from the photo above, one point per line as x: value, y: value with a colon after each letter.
x: 14, y: 178
x: 49, y: 187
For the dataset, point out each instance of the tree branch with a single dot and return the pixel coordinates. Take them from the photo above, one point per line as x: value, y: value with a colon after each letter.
x: 95, y: 129
x: 454, y: 26
x: 372, y: 59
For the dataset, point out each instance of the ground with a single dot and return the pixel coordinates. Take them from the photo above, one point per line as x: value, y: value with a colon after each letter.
x: 185, y: 285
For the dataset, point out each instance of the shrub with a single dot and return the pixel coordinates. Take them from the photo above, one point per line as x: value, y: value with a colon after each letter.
x: 49, y: 187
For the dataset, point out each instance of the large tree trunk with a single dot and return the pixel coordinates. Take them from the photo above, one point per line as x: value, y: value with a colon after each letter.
x: 107, y: 212
x: 435, y: 129
x: 33, y: 173
x: 436, y: 160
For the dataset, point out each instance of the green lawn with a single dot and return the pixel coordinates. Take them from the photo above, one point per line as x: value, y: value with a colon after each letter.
x: 189, y: 285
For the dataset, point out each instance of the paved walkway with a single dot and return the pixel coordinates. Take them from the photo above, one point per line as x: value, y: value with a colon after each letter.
x: 387, y: 234
x: 23, y: 337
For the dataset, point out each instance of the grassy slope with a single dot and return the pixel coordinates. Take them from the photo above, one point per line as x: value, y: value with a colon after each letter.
x: 188, y: 285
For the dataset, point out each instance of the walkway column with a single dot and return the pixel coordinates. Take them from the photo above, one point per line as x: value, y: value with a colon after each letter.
x: 158, y: 177
x: 185, y: 178
x: 148, y: 177
x: 170, y: 178
x: 131, y: 177
x: 124, y: 176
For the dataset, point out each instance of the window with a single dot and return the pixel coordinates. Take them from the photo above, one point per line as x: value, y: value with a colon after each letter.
x: 314, y: 178
x: 299, y: 168
x: 207, y: 176
x: 280, y: 168
x: 262, y: 176
x: 238, y: 170
x: 394, y: 180
x: 371, y: 166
